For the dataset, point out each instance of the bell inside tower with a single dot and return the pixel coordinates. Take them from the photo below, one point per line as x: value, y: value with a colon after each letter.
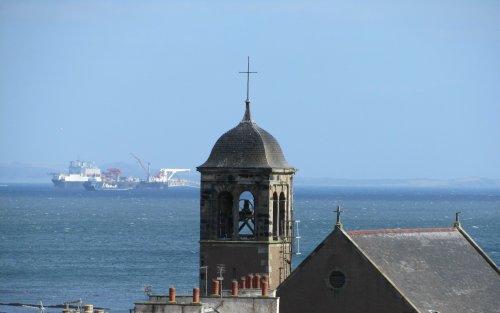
x: 246, y: 223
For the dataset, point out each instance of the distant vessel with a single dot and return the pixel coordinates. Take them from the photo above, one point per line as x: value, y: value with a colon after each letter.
x: 79, y: 173
x: 87, y: 175
x: 164, y: 179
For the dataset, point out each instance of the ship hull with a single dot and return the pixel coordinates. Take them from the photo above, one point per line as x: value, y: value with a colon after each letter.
x: 62, y: 184
x: 99, y: 186
x: 152, y: 185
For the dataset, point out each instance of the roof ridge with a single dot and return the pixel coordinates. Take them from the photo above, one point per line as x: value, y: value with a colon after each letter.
x: 479, y: 250
x: 401, y: 230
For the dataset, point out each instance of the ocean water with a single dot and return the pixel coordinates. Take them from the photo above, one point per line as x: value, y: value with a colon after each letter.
x: 105, y: 247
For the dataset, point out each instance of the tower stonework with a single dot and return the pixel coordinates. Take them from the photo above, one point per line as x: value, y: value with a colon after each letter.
x: 246, y: 207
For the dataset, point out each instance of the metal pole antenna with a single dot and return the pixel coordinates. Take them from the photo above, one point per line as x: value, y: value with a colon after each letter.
x: 248, y: 78
x: 206, y: 278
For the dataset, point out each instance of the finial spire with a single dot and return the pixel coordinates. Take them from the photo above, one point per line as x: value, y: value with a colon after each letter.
x: 457, y: 219
x: 338, y: 211
x: 248, y: 117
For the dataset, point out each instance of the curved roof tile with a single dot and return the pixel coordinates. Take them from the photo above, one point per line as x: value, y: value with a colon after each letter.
x: 246, y: 146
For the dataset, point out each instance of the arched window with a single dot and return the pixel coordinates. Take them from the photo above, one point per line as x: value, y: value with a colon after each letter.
x: 275, y: 216
x: 246, y: 225
x: 225, y: 229
x: 282, y: 215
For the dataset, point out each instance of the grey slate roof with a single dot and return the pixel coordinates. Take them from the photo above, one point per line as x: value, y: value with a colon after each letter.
x: 437, y: 269
x: 246, y: 146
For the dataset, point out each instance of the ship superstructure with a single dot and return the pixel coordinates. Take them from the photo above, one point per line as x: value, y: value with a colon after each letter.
x: 78, y: 173
x: 112, y: 180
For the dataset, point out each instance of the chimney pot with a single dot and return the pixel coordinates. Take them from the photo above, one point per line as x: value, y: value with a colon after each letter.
x: 257, y: 281
x: 265, y: 289
x: 234, y: 288
x: 250, y: 281
x: 196, y: 295
x: 171, y: 295
x: 216, y: 287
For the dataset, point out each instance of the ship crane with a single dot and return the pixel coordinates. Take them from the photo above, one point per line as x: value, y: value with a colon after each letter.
x: 168, y: 173
x: 146, y: 169
x: 164, y: 178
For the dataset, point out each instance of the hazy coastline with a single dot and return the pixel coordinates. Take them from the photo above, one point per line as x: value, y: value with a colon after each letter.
x: 40, y: 173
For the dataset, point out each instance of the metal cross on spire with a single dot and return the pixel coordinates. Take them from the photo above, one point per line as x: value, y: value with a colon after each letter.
x: 248, y: 79
x: 338, y: 211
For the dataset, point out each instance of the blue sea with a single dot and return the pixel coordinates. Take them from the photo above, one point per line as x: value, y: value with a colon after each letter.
x: 105, y: 247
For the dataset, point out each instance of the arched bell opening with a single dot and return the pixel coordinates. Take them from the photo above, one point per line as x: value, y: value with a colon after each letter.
x: 246, y: 224
x: 275, y: 215
x: 225, y: 227
x: 282, y: 216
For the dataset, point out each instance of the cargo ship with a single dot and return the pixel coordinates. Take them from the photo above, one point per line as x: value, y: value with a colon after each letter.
x: 87, y: 175
x: 79, y: 172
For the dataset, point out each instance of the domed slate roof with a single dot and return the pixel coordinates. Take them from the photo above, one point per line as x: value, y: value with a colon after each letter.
x: 246, y: 146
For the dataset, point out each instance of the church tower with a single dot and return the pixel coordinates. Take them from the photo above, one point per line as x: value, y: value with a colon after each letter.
x: 246, y: 207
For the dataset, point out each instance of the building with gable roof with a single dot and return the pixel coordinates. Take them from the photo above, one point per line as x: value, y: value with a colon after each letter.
x: 394, y: 270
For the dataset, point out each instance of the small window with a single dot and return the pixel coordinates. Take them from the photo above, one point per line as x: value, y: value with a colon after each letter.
x: 337, y: 279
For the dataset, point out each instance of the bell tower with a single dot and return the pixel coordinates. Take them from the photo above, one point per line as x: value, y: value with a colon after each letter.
x: 246, y: 207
